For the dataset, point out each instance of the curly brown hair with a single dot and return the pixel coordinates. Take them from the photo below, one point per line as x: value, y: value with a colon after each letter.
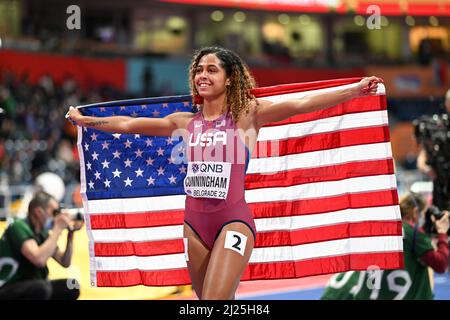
x: 238, y: 94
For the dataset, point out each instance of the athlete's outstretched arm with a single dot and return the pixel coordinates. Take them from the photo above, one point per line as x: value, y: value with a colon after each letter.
x: 276, y: 111
x: 123, y: 124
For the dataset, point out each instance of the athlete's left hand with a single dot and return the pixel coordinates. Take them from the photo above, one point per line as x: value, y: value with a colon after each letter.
x: 368, y: 86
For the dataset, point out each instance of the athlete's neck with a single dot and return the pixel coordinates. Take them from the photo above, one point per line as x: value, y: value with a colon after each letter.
x: 212, y: 109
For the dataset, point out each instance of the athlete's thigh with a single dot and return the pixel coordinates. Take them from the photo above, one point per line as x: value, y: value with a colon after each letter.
x: 229, y: 258
x: 198, y: 257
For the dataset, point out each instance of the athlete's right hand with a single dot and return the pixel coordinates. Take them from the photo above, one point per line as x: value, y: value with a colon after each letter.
x: 74, y: 116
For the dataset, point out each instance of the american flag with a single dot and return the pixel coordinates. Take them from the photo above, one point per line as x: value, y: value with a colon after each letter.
x: 321, y: 187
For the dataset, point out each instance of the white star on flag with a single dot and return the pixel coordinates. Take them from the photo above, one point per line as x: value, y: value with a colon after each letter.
x: 97, y: 175
x: 160, y: 151
x: 128, y: 144
x: 91, y: 184
x: 173, y: 179
x: 107, y: 183
x: 89, y: 165
x: 94, y: 136
x: 95, y: 156
x: 156, y: 113
x: 105, y: 145
x: 117, y: 154
x: 122, y: 108
x: 128, y: 163
x: 128, y: 182
x: 116, y: 173
x: 170, y: 160
x: 169, y: 140
x: 105, y: 164
x: 149, y: 161
x: 150, y: 181
x: 139, y: 172
x: 134, y: 114
x: 138, y: 153
x: 117, y: 136
x: 149, y: 142
x: 86, y: 147
x: 160, y: 171
x: 182, y: 169
x: 137, y: 136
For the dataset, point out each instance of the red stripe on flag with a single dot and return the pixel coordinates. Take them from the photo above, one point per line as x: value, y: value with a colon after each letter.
x: 136, y: 220
x: 328, y: 204
x: 142, y: 249
x: 312, y: 267
x: 263, y: 239
x: 321, y: 141
x: 259, y: 271
x: 301, y: 87
x: 358, y: 105
x: 173, y: 277
x: 328, y: 233
x: 319, y: 174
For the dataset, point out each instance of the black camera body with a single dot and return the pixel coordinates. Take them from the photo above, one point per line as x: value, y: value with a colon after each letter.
x: 429, y: 226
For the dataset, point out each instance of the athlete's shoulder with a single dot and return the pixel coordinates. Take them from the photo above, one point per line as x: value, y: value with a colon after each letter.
x: 252, y: 116
x: 262, y: 102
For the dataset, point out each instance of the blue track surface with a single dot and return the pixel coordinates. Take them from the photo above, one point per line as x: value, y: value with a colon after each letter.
x: 441, y: 291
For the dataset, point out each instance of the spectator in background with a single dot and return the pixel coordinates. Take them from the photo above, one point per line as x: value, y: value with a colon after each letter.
x: 429, y: 166
x: 27, y: 245
x: 33, y: 124
x: 422, y: 158
x: 7, y: 102
x: 412, y: 282
x: 148, y: 81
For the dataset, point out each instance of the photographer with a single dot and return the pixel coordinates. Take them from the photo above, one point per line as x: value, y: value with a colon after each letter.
x: 26, y: 246
x: 412, y: 282
x: 432, y: 134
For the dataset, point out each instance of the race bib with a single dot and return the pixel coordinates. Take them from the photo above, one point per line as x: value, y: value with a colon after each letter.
x: 208, y: 179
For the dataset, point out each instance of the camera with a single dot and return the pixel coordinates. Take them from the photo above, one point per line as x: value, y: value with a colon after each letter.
x: 433, y: 133
x: 429, y: 226
x: 75, y: 214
